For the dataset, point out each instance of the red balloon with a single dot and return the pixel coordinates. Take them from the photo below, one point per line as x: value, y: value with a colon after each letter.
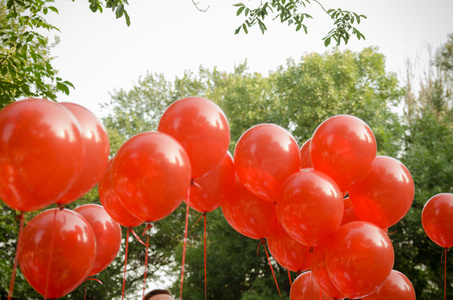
x: 385, y: 195
x: 111, y: 201
x: 65, y: 238
x: 248, y: 214
x: 209, y: 191
x: 305, y: 160
x: 96, y: 147
x: 304, y: 287
x: 437, y: 219
x: 202, y: 129
x: 396, y: 287
x: 344, y: 148
x: 107, y: 233
x: 359, y: 257
x: 265, y: 156
x: 41, y: 153
x: 151, y: 174
x: 310, y: 207
x: 349, y: 215
x: 319, y: 271
x: 289, y: 253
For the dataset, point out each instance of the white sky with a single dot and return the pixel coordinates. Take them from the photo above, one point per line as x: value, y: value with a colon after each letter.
x: 99, y: 53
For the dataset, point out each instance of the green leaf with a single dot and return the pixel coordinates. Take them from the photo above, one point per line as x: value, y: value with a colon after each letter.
x: 327, y: 41
x: 63, y: 87
x: 239, y: 4
x: 240, y: 10
x: 128, y: 19
x: 119, y: 11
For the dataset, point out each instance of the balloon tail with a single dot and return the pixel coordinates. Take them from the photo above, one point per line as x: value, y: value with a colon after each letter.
x: 184, y: 250
x: 52, y: 241
x: 138, y: 238
x: 205, y: 236
x: 125, y: 262
x: 13, y: 275
x: 148, y: 226
x: 289, y: 276
x: 263, y: 242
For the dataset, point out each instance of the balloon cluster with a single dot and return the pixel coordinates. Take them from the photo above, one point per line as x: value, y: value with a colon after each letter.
x: 324, y: 206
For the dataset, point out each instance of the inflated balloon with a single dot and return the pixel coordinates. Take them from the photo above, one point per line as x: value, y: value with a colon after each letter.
x: 437, y: 219
x: 343, y: 147
x: 265, y: 156
x: 319, y: 271
x: 202, y: 129
x: 305, y: 160
x: 111, y: 201
x: 96, y: 145
x: 67, y: 240
x: 209, y: 191
x: 310, y: 207
x: 107, y: 233
x: 248, y: 214
x: 359, y: 257
x: 287, y: 252
x: 349, y: 214
x: 151, y: 174
x: 396, y: 287
x: 304, y: 288
x: 385, y: 195
x: 41, y: 153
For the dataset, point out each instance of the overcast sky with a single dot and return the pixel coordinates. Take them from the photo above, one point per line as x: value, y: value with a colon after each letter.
x: 100, y: 54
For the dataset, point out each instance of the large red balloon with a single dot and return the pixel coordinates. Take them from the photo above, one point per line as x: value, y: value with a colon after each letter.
x: 67, y: 240
x: 202, y: 129
x: 289, y: 253
x: 344, y: 148
x: 437, y: 219
x: 396, y: 287
x: 305, y: 160
x: 310, y: 207
x: 385, y: 195
x: 265, y: 156
x: 349, y: 214
x: 248, y: 214
x: 107, y: 233
x: 359, y: 257
x: 304, y: 288
x: 151, y: 174
x: 111, y: 201
x: 319, y: 271
x: 96, y: 145
x: 209, y: 191
x: 41, y: 153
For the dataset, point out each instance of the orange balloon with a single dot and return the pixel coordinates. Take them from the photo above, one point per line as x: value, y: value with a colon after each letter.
x: 385, y: 195
x: 396, y: 287
x: 305, y: 160
x: 66, y: 239
x: 310, y: 207
x: 151, y: 175
x: 96, y: 148
x: 209, y: 191
x: 437, y: 219
x: 41, y: 153
x: 202, y: 129
x: 359, y: 257
x: 248, y: 214
x: 344, y: 148
x: 304, y: 287
x: 265, y: 156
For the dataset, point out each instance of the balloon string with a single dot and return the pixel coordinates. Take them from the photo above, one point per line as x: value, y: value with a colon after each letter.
x: 289, y: 276
x: 146, y: 266
x: 205, y: 236
x: 125, y: 262
x: 263, y: 242
x: 445, y: 272
x: 95, y: 279
x: 52, y: 241
x: 138, y: 238
x: 13, y: 275
x: 184, y: 250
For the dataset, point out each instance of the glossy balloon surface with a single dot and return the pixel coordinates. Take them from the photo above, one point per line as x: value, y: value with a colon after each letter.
x: 305, y: 160
x: 385, y: 195
x: 96, y: 149
x: 396, y: 287
x: 359, y: 257
x: 107, y: 233
x: 310, y: 207
x: 71, y: 252
x: 151, y: 175
x: 437, y: 219
x: 202, y: 129
x: 304, y: 288
x: 349, y: 214
x: 344, y: 148
x: 265, y: 156
x: 248, y: 214
x: 41, y: 153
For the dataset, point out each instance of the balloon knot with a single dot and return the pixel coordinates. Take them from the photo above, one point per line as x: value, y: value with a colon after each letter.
x: 60, y: 206
x: 148, y: 227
